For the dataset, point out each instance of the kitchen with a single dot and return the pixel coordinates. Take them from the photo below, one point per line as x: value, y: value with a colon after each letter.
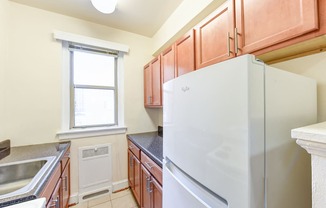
x: 31, y: 77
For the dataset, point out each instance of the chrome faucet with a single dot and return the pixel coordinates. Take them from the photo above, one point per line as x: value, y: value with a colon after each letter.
x: 4, y: 148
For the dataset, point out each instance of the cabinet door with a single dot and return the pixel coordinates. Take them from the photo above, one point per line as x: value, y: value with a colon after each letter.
x: 65, y: 187
x: 264, y: 23
x: 156, y: 193
x: 214, y: 36
x: 134, y: 175
x: 156, y: 82
x: 54, y: 201
x: 147, y: 85
x: 185, y: 54
x: 131, y: 169
x: 145, y: 188
x: 168, y: 64
x: 137, y: 185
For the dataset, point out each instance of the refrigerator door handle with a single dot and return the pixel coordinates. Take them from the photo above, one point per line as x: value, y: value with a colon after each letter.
x: 198, y: 191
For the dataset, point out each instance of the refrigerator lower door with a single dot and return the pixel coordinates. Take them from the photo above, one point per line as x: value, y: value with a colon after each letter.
x: 182, y: 191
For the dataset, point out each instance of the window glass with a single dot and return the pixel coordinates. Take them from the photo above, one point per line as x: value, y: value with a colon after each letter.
x: 94, y: 107
x: 93, y: 69
x: 93, y: 90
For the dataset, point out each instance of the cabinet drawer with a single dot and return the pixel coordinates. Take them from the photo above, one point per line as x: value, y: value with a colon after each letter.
x: 134, y: 149
x: 153, y: 168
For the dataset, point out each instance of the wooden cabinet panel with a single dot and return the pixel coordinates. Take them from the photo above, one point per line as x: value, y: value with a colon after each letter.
x: 134, y: 175
x: 154, y: 169
x: 168, y: 64
x: 185, y: 54
x: 157, y: 194
x: 156, y: 82
x: 147, y: 85
x: 214, y: 36
x: 152, y: 83
x: 145, y: 188
x: 51, y: 184
x: 54, y: 201
x: 264, y: 23
x: 65, y: 187
x: 134, y: 149
x: 137, y: 179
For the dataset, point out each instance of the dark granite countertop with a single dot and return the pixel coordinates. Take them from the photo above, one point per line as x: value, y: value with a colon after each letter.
x: 29, y: 153
x: 151, y: 144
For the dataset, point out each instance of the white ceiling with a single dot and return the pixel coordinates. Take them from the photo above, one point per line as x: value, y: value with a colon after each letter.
x: 143, y: 17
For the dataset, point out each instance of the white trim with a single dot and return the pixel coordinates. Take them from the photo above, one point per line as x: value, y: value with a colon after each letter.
x: 90, y: 132
x: 59, y: 35
x: 120, y: 185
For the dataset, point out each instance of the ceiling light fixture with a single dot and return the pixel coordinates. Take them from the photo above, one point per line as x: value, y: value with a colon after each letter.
x: 105, y: 6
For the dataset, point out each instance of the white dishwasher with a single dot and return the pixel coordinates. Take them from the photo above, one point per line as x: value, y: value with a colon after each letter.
x: 36, y: 203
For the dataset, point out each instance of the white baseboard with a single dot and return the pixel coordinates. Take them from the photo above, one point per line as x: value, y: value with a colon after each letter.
x: 116, y: 186
x: 74, y: 198
x: 119, y: 185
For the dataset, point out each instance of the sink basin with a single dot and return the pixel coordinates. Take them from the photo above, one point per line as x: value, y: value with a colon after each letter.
x: 21, y: 177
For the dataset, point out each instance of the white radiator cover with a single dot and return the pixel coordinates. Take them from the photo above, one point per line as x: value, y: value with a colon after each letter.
x: 95, y: 171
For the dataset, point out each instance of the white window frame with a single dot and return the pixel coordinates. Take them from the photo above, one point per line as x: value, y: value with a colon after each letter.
x: 67, y: 133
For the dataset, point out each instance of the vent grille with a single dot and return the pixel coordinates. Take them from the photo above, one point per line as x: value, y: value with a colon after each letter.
x: 95, y: 152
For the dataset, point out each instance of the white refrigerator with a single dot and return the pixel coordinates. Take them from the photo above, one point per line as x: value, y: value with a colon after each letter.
x: 227, y: 139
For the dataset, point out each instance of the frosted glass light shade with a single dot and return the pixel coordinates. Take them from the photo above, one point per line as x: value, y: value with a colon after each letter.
x: 105, y: 6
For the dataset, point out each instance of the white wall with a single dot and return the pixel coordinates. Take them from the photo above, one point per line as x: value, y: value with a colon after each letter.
x: 313, y: 66
x: 31, y: 80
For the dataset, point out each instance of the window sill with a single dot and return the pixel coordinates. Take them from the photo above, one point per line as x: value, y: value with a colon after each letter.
x: 90, y: 132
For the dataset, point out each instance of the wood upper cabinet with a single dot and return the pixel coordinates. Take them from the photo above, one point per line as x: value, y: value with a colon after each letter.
x: 261, y: 24
x: 215, y: 36
x: 185, y: 54
x: 152, y: 83
x: 168, y: 64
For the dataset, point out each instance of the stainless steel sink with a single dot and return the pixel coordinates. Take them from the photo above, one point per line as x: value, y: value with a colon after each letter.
x: 21, y: 177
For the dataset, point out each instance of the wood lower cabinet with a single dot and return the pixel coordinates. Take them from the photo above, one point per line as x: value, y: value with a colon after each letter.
x: 145, y: 188
x: 134, y: 175
x: 54, y: 201
x: 57, y: 189
x: 151, y: 180
x: 65, y: 187
x: 145, y: 178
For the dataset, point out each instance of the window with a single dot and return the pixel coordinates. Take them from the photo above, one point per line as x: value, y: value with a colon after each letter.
x: 93, y: 87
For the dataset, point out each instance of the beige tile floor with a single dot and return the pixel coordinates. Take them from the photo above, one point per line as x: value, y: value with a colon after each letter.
x: 122, y: 199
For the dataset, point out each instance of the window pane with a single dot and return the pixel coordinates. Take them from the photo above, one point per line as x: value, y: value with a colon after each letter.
x: 94, y: 107
x: 93, y: 69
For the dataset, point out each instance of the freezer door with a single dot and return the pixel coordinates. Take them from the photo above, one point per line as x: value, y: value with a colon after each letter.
x: 182, y: 191
x: 214, y: 129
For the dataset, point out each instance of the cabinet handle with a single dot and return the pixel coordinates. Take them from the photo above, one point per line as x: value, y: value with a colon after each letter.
x: 150, y: 99
x: 131, y: 147
x: 149, y: 165
x: 148, y: 184
x: 55, y: 203
x: 130, y: 161
x: 65, y: 183
x: 236, y: 40
x: 228, y: 43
